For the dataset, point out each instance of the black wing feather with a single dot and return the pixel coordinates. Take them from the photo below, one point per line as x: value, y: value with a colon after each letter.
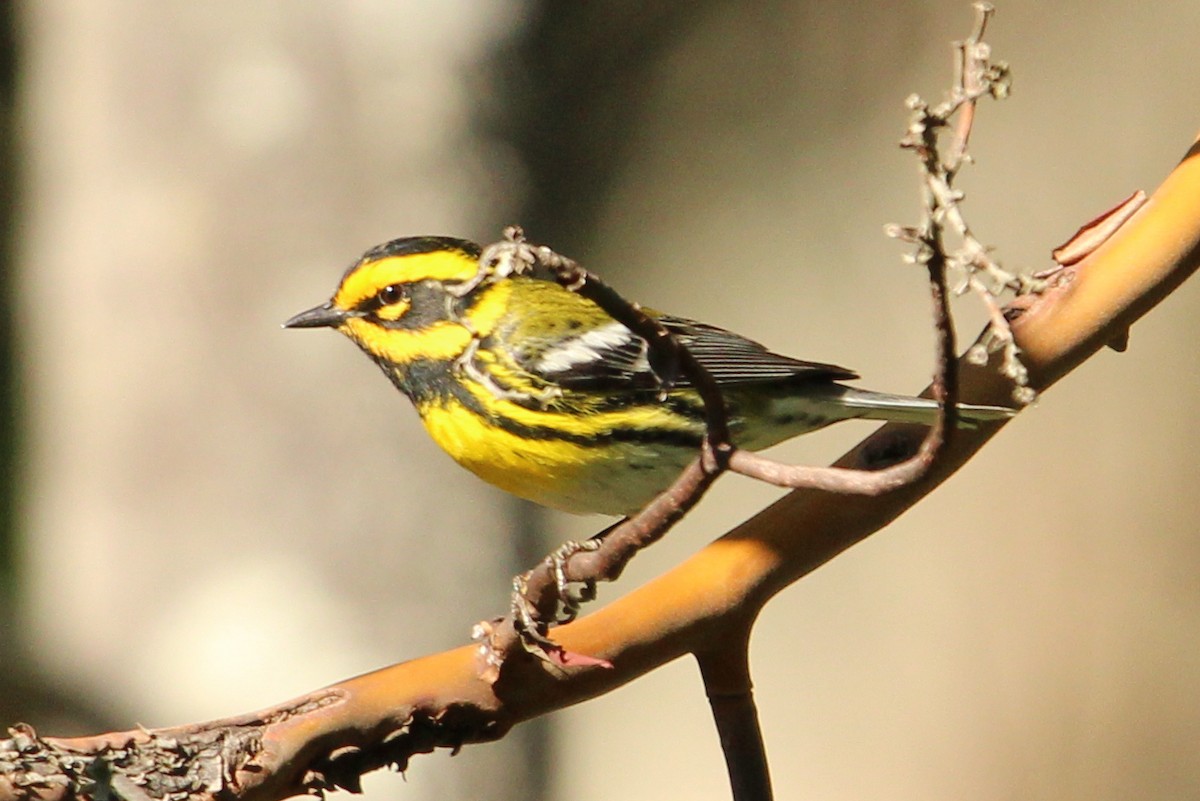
x: 733, y: 359
x: 614, y: 359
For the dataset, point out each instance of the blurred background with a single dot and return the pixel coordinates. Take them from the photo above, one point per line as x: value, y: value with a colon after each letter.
x: 203, y: 514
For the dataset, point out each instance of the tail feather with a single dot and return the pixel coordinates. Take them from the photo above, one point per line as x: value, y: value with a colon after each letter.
x: 795, y: 413
x: 905, y: 409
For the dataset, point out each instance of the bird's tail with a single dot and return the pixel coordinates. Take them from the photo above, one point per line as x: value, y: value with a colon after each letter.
x: 868, y: 405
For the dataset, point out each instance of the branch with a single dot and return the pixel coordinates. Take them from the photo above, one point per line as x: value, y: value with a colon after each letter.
x: 326, y: 739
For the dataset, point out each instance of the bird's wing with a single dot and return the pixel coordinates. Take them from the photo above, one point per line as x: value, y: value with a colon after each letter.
x: 611, y: 357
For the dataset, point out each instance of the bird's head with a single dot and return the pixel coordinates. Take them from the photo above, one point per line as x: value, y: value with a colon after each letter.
x: 397, y: 302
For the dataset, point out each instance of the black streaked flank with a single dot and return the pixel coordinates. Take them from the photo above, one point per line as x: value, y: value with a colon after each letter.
x: 429, y: 382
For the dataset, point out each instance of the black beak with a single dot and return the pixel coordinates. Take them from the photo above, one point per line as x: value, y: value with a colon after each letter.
x: 323, y: 316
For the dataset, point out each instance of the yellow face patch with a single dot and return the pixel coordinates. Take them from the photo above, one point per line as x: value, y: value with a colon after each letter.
x: 442, y: 340
x: 367, y: 279
x: 393, y: 311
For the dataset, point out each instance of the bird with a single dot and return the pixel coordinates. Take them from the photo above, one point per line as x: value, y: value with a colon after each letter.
x: 538, y: 391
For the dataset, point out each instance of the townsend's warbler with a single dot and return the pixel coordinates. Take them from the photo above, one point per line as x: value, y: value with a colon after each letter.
x: 538, y: 391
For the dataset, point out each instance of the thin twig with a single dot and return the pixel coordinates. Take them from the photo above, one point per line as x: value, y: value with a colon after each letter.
x: 538, y: 592
x: 858, y: 481
x: 976, y: 76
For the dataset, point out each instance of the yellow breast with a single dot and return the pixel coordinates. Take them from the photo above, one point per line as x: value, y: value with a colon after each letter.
x: 614, y: 478
x: 538, y: 470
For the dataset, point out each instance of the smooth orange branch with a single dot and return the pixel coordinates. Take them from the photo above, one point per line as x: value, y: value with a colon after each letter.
x: 328, y: 738
x: 1124, y: 278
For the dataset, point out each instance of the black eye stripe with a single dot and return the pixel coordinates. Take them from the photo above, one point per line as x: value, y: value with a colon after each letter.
x: 426, y: 304
x: 386, y: 296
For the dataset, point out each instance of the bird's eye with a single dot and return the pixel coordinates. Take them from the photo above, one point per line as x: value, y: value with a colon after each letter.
x: 392, y: 293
